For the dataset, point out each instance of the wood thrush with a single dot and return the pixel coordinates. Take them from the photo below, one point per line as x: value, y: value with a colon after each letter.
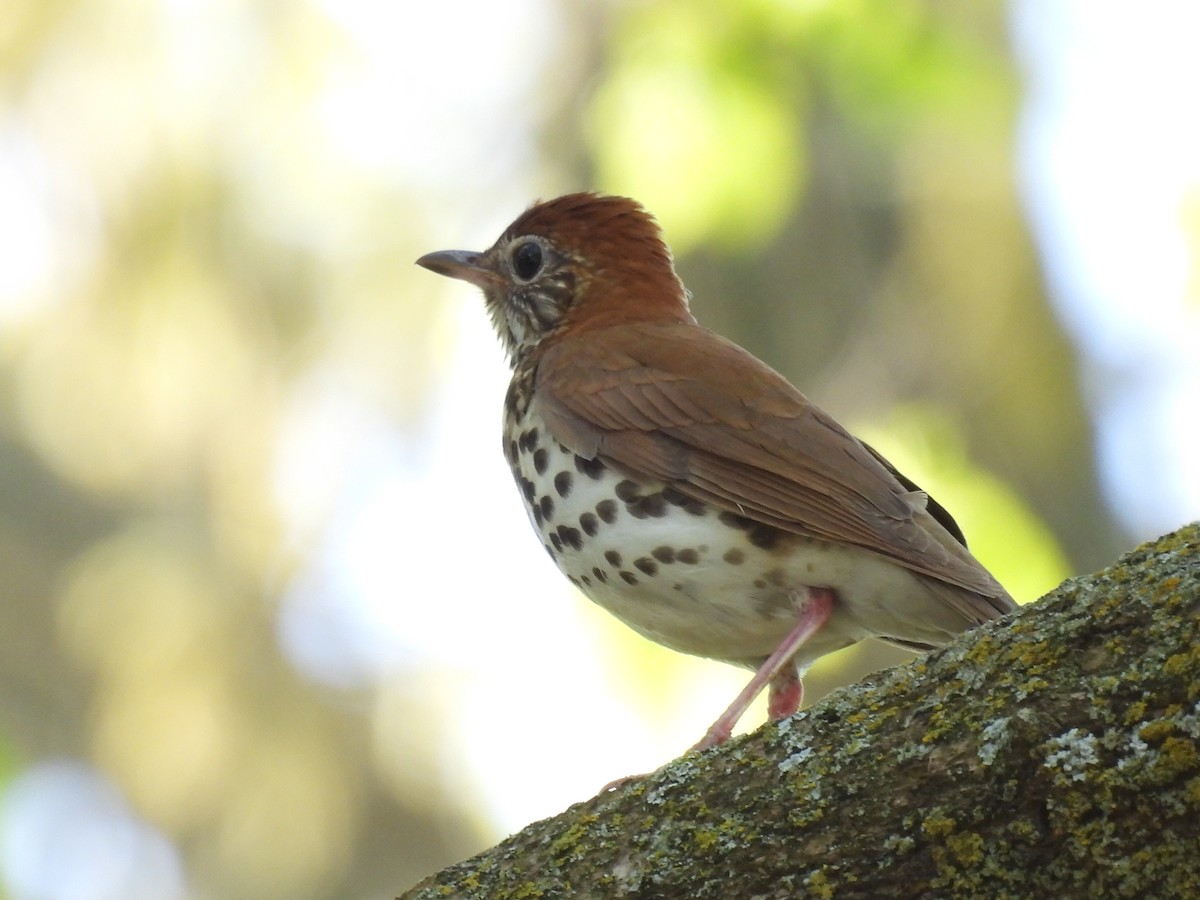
x: 687, y: 487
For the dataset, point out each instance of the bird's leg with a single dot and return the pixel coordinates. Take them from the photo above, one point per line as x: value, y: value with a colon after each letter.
x: 785, y: 693
x: 778, y: 671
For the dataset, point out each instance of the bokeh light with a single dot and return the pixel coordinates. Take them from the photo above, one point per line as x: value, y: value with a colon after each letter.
x: 272, y: 623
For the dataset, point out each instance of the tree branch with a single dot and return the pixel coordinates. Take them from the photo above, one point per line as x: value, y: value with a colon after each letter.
x: 1053, y: 753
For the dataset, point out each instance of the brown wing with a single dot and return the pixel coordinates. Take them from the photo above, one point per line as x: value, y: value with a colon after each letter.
x: 680, y: 404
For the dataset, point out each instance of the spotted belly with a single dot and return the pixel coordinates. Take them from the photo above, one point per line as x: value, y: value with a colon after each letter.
x: 698, y: 579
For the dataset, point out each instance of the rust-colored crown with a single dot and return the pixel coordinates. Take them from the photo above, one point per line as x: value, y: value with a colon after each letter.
x: 614, y: 237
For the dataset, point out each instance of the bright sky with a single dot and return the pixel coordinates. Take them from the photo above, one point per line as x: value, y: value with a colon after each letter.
x: 1110, y: 165
x: 1109, y: 151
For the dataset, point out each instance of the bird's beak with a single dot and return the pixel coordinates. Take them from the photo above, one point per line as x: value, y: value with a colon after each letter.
x: 463, y: 264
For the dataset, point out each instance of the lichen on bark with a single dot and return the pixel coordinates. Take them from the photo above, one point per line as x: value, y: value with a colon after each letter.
x: 1054, y: 753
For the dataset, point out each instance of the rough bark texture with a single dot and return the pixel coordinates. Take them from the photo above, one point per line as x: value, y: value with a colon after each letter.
x: 1054, y: 753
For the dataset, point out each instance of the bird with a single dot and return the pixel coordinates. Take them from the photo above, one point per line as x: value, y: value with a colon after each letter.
x: 687, y: 487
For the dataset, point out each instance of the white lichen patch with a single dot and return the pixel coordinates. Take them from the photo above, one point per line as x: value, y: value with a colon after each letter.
x: 898, y: 844
x: 677, y: 773
x: 913, y: 750
x: 1137, y: 753
x: 627, y: 875
x: 1071, y: 753
x: 789, y: 733
x: 995, y: 737
x: 798, y: 758
x: 1190, y: 724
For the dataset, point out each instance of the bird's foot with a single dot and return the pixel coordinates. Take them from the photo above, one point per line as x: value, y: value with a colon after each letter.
x: 778, y: 671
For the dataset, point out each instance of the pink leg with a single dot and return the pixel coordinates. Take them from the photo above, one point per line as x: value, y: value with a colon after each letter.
x: 784, y: 694
x: 778, y: 671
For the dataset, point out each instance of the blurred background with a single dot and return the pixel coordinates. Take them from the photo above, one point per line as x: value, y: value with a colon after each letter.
x: 272, y: 622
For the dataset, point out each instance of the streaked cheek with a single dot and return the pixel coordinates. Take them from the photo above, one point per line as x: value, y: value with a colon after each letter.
x: 518, y: 327
x: 545, y: 312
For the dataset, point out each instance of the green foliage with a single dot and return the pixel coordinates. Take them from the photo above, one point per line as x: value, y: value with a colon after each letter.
x: 688, y: 123
x: 704, y: 109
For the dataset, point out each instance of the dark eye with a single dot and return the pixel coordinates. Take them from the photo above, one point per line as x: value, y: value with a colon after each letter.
x: 527, y: 259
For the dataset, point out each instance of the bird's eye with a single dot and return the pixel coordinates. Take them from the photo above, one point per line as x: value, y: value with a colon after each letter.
x: 527, y: 259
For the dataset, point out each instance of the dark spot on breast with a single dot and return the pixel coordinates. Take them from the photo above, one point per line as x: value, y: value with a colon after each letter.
x: 688, y: 556
x: 592, y: 468
x: 546, y: 505
x: 601, y: 575
x: 613, y: 557
x: 734, y: 556
x: 541, y: 459
x: 776, y: 578
x: 510, y: 453
x: 629, y: 577
x: 585, y: 580
x: 538, y: 518
x: 646, y: 564
x: 550, y: 550
x: 628, y: 491
x: 555, y: 540
x: 562, y: 483
x: 513, y: 399
x: 734, y: 521
x: 676, y: 497
x: 764, y: 536
x: 528, y: 489
x: 664, y: 554
x: 529, y: 439
x: 589, y: 523
x: 570, y: 536
x: 607, y: 511
x: 651, y: 506
x: 573, y: 580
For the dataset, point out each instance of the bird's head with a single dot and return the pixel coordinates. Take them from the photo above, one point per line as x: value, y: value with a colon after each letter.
x: 579, y: 261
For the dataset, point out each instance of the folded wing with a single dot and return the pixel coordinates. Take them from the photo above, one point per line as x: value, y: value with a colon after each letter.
x: 685, y: 406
